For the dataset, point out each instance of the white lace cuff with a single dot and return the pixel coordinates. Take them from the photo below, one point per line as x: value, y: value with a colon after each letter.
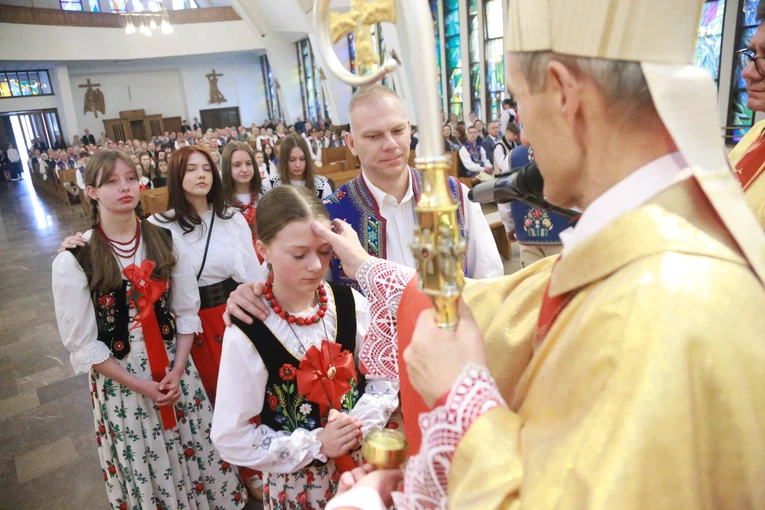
x: 188, y: 324
x: 473, y: 394
x: 383, y: 283
x: 91, y: 354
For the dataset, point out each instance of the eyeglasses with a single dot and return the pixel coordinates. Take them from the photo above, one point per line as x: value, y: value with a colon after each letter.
x: 747, y: 56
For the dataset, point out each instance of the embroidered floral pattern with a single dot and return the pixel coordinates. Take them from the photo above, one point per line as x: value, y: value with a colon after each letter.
x: 287, y: 372
x: 105, y: 311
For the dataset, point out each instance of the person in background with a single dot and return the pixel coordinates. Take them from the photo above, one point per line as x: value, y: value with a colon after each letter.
x: 451, y: 144
x: 297, y: 168
x: 502, y: 150
x: 473, y: 160
x: 491, y: 140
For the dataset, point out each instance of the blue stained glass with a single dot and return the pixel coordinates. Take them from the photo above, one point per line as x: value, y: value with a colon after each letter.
x: 710, y: 38
x: 750, y: 13
x: 452, y: 23
x: 451, y: 5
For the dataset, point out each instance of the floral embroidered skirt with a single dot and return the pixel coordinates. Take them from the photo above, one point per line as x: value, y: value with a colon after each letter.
x: 310, y: 488
x: 145, y: 466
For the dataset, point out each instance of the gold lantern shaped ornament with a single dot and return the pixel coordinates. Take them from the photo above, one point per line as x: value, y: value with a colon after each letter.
x: 439, y: 246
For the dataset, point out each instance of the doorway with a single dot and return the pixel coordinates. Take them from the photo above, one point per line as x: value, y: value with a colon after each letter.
x: 21, y: 128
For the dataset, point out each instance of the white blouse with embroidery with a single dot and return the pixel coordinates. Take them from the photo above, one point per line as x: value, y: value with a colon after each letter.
x: 242, y: 389
x: 76, y: 314
x: 230, y: 255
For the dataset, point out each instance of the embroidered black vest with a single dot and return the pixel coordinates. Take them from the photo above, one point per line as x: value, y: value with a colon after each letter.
x: 283, y: 407
x: 113, y: 310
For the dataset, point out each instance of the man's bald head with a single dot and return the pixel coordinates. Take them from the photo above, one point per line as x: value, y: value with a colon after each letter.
x: 367, y: 95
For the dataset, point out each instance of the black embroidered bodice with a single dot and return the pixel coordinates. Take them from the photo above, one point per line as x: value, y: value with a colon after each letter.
x: 113, y: 310
x: 284, y: 408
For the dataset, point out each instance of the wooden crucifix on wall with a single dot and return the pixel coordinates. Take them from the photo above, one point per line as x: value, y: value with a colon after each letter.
x: 94, y: 98
x: 216, y: 97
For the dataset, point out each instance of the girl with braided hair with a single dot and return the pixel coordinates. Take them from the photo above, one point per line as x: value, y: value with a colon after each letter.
x: 126, y: 304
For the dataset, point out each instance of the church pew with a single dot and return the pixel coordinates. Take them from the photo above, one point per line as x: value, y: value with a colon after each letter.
x: 330, y: 169
x: 500, y: 237
x: 331, y: 155
x: 67, y: 185
x: 154, y: 201
x: 351, y: 161
x: 341, y: 178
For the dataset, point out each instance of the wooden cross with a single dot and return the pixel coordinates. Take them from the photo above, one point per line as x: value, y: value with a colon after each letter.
x: 89, y: 85
x: 362, y: 15
x: 213, y: 74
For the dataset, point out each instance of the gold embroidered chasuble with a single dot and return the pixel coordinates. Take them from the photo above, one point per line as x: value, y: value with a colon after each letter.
x: 748, y: 161
x: 648, y: 390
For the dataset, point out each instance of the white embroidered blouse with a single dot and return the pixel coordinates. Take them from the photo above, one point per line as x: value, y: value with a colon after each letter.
x: 76, y: 314
x: 242, y: 388
x: 230, y: 255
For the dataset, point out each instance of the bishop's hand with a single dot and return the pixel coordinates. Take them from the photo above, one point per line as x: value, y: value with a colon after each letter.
x: 345, y: 244
x: 435, y: 357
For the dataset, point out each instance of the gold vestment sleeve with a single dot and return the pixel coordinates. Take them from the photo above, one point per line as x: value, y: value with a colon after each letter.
x: 486, y: 469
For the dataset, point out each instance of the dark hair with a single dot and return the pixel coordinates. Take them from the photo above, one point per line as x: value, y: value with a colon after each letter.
x: 285, y: 149
x: 451, y: 134
x: 97, y: 258
x: 508, y: 102
x: 229, y: 185
x: 283, y: 205
x: 183, y: 212
x: 151, y: 168
x: 461, y: 132
x: 273, y: 152
x: 513, y: 128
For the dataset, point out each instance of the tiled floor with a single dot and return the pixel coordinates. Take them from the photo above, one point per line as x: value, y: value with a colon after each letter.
x: 47, y: 447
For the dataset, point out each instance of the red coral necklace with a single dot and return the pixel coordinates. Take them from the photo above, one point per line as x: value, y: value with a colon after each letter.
x: 293, y: 319
x: 124, y: 249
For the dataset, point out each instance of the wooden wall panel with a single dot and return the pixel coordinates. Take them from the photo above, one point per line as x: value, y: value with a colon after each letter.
x: 36, y: 16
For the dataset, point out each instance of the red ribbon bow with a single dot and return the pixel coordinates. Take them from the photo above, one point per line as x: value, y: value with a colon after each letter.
x: 140, y: 277
x: 149, y: 291
x: 324, y: 376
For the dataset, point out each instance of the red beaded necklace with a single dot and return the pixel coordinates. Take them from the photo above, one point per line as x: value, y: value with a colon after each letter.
x: 123, y: 249
x: 268, y: 289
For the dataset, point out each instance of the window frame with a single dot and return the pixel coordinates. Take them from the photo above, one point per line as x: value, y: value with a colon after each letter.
x: 5, y: 77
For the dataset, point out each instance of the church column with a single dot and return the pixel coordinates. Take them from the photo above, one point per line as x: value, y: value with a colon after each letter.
x: 281, y: 57
x: 65, y: 102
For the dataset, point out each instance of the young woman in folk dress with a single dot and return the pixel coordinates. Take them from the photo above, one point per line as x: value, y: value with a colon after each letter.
x: 296, y: 167
x: 242, y: 184
x: 116, y: 298
x: 308, y: 422
x: 220, y: 248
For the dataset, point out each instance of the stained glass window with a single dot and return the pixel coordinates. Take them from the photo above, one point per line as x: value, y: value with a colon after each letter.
x: 453, y: 56
x: 71, y: 5
x: 25, y: 83
x: 272, y: 98
x: 437, y: 34
x: 494, y: 57
x: 474, y: 55
x: 740, y: 117
x: 315, y: 105
x: 710, y: 37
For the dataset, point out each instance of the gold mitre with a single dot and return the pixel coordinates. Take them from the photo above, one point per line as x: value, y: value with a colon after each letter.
x: 661, y: 35
x: 661, y: 31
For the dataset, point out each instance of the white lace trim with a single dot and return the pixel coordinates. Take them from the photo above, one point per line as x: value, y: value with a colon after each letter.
x: 383, y: 283
x: 188, y: 324
x: 427, y: 474
x: 92, y: 354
